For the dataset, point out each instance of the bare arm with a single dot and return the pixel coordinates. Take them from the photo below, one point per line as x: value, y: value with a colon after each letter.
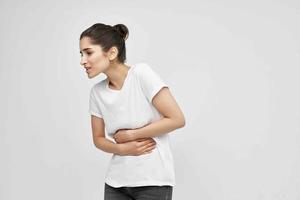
x: 173, y: 118
x: 133, y: 148
x: 99, y: 137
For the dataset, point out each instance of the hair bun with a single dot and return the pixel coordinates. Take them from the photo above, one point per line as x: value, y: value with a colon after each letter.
x: 122, y: 29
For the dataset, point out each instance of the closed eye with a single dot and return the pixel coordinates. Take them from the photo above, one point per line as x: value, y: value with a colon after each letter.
x: 88, y: 53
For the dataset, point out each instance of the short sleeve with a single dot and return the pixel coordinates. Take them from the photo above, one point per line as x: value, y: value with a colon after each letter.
x: 94, y: 108
x: 150, y: 81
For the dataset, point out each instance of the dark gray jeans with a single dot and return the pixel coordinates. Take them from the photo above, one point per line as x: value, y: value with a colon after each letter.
x: 138, y: 193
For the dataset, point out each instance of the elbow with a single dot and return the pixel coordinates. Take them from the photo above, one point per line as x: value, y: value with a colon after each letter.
x: 180, y: 122
x: 98, y: 142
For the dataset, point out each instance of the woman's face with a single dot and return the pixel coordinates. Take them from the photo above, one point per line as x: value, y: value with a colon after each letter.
x: 94, y: 60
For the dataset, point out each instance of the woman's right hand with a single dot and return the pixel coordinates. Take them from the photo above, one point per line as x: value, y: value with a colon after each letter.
x: 137, y: 147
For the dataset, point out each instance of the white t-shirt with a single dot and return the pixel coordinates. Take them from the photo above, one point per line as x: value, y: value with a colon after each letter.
x: 130, y: 108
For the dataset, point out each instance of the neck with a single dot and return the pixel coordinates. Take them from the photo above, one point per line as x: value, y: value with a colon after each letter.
x: 116, y: 74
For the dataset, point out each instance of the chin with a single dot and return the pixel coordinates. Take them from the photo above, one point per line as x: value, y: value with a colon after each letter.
x: 92, y: 75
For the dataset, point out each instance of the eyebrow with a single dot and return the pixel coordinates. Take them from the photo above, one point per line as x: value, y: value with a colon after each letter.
x: 84, y: 49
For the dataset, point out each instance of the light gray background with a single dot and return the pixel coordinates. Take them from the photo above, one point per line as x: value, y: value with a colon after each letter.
x: 232, y: 66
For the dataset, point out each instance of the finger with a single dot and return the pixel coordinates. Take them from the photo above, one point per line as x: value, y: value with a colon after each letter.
x: 147, y: 152
x: 148, y: 142
x: 146, y: 139
x: 150, y: 149
x: 143, y: 143
x: 147, y: 147
x: 141, y: 139
x: 151, y: 139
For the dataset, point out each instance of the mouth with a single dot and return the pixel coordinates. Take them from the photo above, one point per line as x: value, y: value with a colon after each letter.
x: 87, y: 69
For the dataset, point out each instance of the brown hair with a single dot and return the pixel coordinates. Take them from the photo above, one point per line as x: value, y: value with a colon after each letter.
x: 108, y: 36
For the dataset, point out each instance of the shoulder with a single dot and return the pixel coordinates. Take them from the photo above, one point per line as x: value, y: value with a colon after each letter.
x: 97, y: 87
x: 142, y: 68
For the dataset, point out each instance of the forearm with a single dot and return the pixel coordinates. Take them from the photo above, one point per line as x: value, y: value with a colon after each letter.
x: 157, y: 128
x: 107, y: 145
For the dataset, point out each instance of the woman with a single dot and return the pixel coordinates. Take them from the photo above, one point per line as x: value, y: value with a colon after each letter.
x: 134, y: 106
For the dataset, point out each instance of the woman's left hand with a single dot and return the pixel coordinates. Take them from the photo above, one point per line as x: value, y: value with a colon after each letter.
x: 123, y: 135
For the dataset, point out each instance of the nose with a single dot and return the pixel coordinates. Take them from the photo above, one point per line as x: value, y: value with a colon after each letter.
x: 82, y: 61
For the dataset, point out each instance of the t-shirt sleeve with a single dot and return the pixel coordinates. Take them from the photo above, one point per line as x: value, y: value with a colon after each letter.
x: 94, y: 108
x: 150, y: 81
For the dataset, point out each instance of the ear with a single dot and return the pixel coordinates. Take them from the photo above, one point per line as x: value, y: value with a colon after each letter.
x: 113, y: 53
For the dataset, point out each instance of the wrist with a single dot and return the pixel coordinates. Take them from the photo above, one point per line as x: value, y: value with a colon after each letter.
x: 120, y: 149
x: 133, y: 134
